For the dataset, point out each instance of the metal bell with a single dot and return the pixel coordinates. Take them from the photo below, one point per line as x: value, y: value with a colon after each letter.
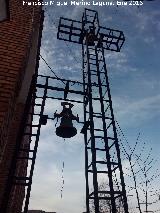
x: 66, y: 128
x: 91, y: 37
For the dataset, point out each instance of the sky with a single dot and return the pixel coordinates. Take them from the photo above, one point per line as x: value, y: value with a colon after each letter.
x: 134, y: 75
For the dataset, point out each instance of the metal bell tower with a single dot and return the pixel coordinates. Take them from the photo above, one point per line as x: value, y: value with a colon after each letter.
x: 102, y: 152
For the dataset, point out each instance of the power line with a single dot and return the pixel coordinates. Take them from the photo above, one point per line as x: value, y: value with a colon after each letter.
x: 50, y: 67
x: 123, y: 135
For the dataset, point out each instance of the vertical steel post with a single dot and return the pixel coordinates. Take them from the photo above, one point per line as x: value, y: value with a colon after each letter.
x: 35, y: 148
x: 116, y: 138
x: 85, y: 133
x: 95, y: 182
x: 105, y: 135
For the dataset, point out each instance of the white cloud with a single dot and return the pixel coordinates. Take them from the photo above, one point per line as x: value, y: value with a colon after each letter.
x: 140, y: 111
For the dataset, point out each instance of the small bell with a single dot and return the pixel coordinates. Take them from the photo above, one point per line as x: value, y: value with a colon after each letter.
x: 66, y: 128
x: 91, y: 37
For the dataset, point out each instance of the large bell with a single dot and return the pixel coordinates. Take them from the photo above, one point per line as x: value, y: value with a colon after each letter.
x: 66, y: 128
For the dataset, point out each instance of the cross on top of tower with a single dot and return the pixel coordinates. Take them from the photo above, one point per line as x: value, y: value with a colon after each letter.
x: 88, y: 30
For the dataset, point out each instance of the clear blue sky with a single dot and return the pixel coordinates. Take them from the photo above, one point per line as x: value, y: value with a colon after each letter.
x: 134, y: 75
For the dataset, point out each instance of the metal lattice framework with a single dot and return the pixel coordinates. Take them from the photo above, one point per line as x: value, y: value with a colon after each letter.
x: 102, y: 153
x: 42, y: 89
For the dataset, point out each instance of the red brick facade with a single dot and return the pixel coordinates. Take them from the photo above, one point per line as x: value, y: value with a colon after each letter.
x: 18, y: 40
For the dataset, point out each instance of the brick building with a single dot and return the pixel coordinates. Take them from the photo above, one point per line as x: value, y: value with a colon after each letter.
x: 20, y: 35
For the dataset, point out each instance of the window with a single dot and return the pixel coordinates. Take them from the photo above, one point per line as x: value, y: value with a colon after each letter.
x: 4, y: 10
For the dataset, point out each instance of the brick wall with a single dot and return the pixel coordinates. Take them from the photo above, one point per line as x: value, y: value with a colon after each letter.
x: 7, y: 156
x: 17, y: 36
